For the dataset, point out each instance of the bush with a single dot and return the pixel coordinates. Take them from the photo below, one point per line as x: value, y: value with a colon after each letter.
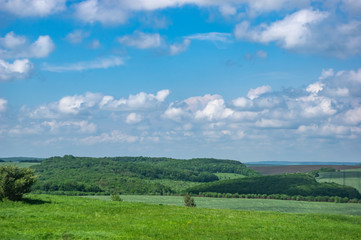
x: 115, y: 197
x: 189, y: 201
x: 15, y: 181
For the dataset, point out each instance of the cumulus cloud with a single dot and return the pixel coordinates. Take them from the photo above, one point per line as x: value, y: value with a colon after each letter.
x: 100, y: 63
x: 19, y: 69
x: 178, y: 48
x: 211, y: 36
x: 32, y: 8
x: 290, y: 32
x: 133, y: 118
x: 81, y: 126
x: 77, y: 36
x: 113, y: 137
x: 141, y: 100
x: 118, y: 12
x: 90, y: 103
x: 255, y: 93
x: 14, y: 46
x: 141, y: 40
x: 3, y: 104
x: 214, y: 110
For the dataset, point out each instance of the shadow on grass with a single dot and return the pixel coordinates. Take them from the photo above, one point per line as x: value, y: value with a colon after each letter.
x: 34, y: 201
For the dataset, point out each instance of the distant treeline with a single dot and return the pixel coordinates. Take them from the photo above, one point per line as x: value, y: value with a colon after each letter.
x: 288, y: 184
x: 128, y: 174
x: 335, y: 199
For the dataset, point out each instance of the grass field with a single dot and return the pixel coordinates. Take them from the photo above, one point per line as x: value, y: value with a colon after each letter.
x: 18, y: 164
x: 346, y: 177
x: 249, y: 204
x: 62, y: 217
x: 224, y: 176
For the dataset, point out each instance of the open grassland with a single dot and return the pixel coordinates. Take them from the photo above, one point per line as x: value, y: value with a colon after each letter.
x: 284, y: 206
x: 347, y: 177
x: 224, y: 176
x: 274, y: 170
x: 19, y: 164
x: 62, y: 217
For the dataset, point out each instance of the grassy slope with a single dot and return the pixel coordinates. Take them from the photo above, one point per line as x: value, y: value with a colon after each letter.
x: 352, y: 178
x: 19, y: 164
x: 79, y: 218
x: 249, y: 204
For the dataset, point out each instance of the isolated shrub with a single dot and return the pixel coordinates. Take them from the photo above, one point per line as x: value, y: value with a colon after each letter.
x: 15, y: 181
x: 189, y: 201
x: 116, y: 197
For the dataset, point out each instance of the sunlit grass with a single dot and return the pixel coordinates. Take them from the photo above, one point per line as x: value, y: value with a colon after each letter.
x: 62, y: 217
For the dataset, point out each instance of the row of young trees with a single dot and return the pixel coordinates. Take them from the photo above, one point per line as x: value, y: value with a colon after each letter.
x: 335, y: 199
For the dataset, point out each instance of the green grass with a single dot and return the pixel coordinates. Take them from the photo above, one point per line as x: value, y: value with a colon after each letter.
x: 348, y: 178
x: 19, y: 164
x: 224, y: 176
x: 175, y: 185
x: 62, y: 217
x: 249, y: 204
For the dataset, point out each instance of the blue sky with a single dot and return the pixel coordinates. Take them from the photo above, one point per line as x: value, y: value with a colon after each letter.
x: 237, y: 79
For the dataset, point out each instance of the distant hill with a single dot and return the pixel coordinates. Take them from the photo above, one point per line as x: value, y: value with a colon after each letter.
x: 22, y: 159
x: 288, y: 163
x: 280, y: 169
x: 289, y: 184
x: 129, y: 174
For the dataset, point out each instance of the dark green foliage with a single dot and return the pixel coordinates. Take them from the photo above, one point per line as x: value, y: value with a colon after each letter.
x: 15, y: 181
x: 115, y: 197
x: 289, y: 184
x: 128, y: 174
x: 189, y: 201
x: 2, y: 160
x: 316, y: 173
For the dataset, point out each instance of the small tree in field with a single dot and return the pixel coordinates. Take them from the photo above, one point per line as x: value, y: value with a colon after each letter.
x: 15, y: 181
x: 189, y: 201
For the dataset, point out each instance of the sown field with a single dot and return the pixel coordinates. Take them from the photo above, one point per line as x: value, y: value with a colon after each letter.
x: 348, y: 178
x: 62, y: 217
x: 224, y: 176
x: 19, y: 164
x: 273, y: 170
x: 249, y: 204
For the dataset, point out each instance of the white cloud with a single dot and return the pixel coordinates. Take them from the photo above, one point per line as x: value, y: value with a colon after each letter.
x: 78, y: 103
x: 106, y: 12
x: 242, y: 102
x: 82, y: 126
x: 3, y: 104
x: 114, y: 137
x: 173, y: 113
x: 141, y: 40
x: 77, y: 36
x: 100, y: 63
x: 211, y: 36
x: 95, y: 44
x: 214, y: 110
x: 271, y: 123
x: 353, y: 116
x: 19, y: 69
x: 32, y: 8
x: 227, y: 10
x: 133, y: 118
x: 255, y: 93
x: 139, y: 101
x: 178, y: 48
x: 315, y: 87
x: 15, y: 46
x: 292, y: 31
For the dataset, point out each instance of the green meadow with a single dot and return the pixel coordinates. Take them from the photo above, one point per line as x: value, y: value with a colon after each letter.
x: 248, y: 204
x: 64, y: 217
x: 350, y: 178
